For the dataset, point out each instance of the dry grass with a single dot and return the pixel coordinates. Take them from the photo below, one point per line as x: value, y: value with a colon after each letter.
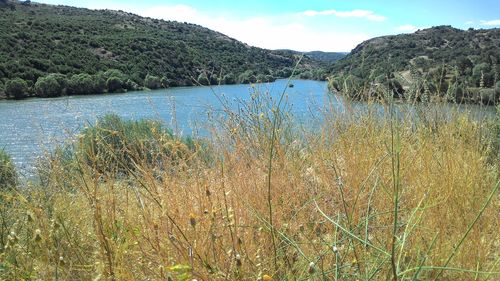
x: 371, y: 198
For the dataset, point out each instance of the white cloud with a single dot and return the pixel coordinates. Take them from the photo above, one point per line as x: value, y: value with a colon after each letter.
x: 270, y: 32
x: 469, y: 22
x: 408, y: 28
x: 370, y: 15
x: 490, y: 22
x: 284, y: 31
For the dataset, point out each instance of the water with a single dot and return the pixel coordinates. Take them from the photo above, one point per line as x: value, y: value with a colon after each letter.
x: 29, y: 128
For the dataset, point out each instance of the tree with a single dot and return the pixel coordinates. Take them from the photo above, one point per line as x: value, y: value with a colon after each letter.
x: 114, y: 85
x: 84, y: 84
x: 229, y: 79
x: 52, y: 85
x: 16, y: 88
x: 152, y: 82
x: 481, y: 74
x: 465, y: 66
x: 203, y: 79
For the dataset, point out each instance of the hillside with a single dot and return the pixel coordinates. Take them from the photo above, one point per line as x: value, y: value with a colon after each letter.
x: 90, y: 47
x: 319, y: 56
x: 328, y: 57
x: 442, y: 61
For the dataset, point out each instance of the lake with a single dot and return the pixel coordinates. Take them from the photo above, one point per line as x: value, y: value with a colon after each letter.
x: 31, y: 127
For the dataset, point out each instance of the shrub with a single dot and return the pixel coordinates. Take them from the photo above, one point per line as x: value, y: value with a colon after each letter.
x: 117, y: 145
x: 115, y: 85
x: 203, y: 79
x: 487, y: 96
x: 152, y: 82
x: 52, y: 85
x: 247, y: 77
x: 81, y: 84
x: 229, y: 79
x: 8, y: 174
x: 16, y: 88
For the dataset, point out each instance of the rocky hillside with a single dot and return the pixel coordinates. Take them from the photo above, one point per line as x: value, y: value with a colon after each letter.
x: 443, y: 61
x: 84, y: 51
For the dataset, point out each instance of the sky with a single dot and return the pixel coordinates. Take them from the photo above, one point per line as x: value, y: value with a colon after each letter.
x: 308, y: 25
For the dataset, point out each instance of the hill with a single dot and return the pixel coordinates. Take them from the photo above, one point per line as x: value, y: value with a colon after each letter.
x: 319, y: 56
x: 441, y: 61
x: 327, y: 57
x: 52, y: 50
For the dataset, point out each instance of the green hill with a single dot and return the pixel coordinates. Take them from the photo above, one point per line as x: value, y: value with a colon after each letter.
x: 319, y: 56
x: 327, y: 57
x: 79, y: 51
x: 443, y: 62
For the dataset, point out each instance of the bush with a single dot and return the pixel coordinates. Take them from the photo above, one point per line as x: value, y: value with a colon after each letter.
x: 52, y: 85
x: 81, y: 84
x: 487, y: 96
x: 152, y: 82
x: 115, y: 85
x: 8, y: 174
x: 247, y: 77
x: 117, y: 145
x: 203, y: 79
x: 16, y: 88
x: 229, y: 79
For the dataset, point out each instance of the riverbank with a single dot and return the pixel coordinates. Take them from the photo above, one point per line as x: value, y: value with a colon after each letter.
x: 363, y: 197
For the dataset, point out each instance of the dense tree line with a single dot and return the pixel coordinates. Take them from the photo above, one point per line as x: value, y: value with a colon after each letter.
x: 452, y: 64
x: 50, y: 51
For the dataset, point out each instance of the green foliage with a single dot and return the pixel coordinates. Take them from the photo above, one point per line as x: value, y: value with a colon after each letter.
x: 39, y: 40
x: 8, y: 174
x: 440, y: 62
x: 117, y: 145
x: 203, y: 79
x: 16, y: 88
x: 152, y: 82
x: 482, y: 75
x: 115, y: 84
x: 247, y: 77
x: 52, y: 85
x: 82, y: 84
x: 229, y: 79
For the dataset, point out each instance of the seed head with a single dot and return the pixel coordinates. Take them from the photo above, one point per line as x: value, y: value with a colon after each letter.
x: 266, y: 277
x: 238, y: 260
x: 30, y: 217
x: 38, y: 235
x: 192, y: 219
x: 312, y: 268
x: 335, y: 249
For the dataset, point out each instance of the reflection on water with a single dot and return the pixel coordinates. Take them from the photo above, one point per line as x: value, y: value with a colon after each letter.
x: 28, y: 128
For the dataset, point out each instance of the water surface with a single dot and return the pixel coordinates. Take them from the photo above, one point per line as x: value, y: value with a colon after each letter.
x: 29, y: 128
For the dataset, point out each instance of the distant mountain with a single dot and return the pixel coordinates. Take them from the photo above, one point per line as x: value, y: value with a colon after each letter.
x: 441, y: 61
x: 328, y: 57
x: 71, y: 50
x: 320, y: 56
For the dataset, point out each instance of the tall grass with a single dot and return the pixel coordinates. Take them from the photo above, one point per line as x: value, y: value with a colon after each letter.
x: 369, y: 197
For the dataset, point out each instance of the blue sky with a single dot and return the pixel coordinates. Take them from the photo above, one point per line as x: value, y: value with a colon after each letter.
x: 306, y: 25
